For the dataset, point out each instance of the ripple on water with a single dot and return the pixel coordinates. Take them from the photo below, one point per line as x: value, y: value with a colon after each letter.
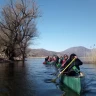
x: 48, y: 80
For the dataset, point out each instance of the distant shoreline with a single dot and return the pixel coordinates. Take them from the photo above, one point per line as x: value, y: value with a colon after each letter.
x: 87, y: 60
x: 35, y: 57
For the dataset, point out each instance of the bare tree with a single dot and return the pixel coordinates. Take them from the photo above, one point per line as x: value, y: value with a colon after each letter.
x: 18, y: 27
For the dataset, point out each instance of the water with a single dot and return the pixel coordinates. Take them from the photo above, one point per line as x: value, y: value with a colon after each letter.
x: 33, y: 79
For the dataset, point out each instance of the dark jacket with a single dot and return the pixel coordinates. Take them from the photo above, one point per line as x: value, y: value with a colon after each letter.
x: 76, y: 63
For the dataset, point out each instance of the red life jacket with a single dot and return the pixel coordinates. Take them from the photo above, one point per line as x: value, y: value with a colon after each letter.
x: 63, y: 62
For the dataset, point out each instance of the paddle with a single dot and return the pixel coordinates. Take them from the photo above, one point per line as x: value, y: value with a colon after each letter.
x: 54, y: 80
x: 61, y: 66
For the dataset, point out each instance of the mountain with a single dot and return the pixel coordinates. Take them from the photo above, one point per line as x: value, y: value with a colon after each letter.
x: 40, y: 53
x: 79, y: 51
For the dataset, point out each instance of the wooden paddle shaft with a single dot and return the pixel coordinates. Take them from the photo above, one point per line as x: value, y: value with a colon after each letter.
x: 67, y: 66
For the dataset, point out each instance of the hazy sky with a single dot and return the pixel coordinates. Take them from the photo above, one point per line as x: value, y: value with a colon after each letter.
x: 65, y: 24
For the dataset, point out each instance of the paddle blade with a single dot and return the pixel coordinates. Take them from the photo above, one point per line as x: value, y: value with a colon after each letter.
x: 53, y: 80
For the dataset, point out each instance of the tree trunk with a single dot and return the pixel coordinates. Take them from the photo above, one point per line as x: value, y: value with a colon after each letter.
x: 10, y: 53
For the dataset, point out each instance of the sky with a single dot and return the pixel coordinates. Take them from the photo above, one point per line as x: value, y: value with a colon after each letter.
x: 65, y: 23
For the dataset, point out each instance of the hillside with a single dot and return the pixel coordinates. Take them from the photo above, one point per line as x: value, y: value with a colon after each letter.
x: 80, y: 51
x: 40, y: 53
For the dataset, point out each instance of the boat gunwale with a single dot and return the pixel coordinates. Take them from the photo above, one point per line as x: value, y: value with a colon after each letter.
x: 80, y: 76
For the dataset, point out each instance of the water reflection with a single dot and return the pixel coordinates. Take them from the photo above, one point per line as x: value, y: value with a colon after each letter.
x: 67, y: 91
x: 32, y: 79
x: 14, y: 80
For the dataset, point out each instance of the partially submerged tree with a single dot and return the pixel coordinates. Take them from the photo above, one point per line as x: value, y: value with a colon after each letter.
x: 18, y: 27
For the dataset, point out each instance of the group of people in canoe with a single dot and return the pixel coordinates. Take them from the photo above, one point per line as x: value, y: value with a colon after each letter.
x: 62, y: 63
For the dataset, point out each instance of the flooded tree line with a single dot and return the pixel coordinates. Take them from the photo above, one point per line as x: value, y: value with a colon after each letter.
x: 17, y: 28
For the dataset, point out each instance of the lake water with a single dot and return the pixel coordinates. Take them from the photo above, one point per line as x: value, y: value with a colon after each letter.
x: 33, y: 79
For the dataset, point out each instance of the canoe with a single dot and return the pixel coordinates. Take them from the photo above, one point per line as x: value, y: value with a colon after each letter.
x: 67, y: 91
x: 75, y: 83
x: 58, y: 65
x: 49, y: 63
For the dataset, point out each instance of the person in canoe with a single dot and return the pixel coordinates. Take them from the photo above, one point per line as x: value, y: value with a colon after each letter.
x: 63, y: 61
x: 73, y: 69
x: 46, y: 60
x: 57, y: 64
